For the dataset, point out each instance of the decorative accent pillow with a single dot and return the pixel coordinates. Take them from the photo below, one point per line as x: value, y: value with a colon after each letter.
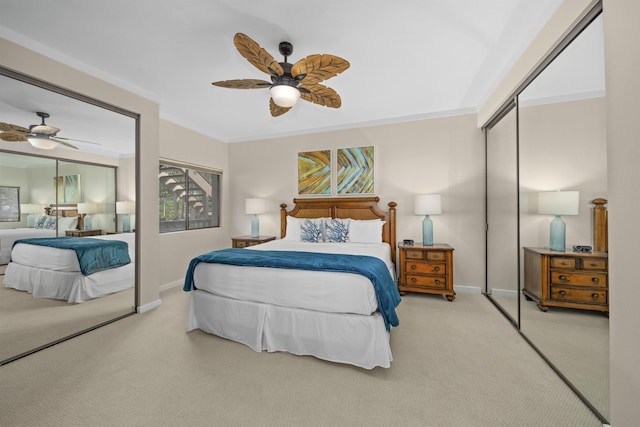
x: 311, y: 230
x: 365, y: 231
x: 40, y: 220
x: 50, y: 223
x: 68, y: 222
x: 336, y: 230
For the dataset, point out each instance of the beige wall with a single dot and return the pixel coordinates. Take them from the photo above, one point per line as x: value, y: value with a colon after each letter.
x: 176, y: 249
x: 622, y: 56
x: 441, y: 156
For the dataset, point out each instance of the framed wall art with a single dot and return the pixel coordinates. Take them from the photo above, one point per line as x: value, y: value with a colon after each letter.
x: 314, y: 172
x: 355, y: 172
x: 9, y: 204
x: 68, y: 188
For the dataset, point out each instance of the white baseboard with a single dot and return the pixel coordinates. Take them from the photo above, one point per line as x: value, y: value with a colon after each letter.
x: 504, y: 293
x: 171, y: 285
x: 148, y: 307
x: 467, y: 289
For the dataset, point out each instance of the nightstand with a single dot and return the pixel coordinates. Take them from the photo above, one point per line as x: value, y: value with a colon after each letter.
x: 426, y: 269
x: 82, y: 233
x: 566, y: 279
x: 244, y: 241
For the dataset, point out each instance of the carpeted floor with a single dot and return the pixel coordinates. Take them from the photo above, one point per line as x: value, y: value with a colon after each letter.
x: 455, y: 364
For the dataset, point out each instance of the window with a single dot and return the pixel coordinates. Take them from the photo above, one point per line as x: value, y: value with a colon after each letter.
x: 9, y: 204
x: 189, y: 197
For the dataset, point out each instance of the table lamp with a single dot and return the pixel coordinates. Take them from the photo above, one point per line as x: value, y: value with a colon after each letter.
x: 427, y: 204
x: 254, y: 207
x: 558, y: 203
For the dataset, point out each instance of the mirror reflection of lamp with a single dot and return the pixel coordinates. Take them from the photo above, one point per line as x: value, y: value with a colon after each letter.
x: 558, y: 203
x: 31, y: 209
x: 427, y: 204
x: 126, y: 208
x: 254, y: 207
x: 86, y: 209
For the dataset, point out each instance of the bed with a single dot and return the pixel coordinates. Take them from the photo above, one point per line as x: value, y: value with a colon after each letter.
x: 66, y: 216
x: 341, y: 316
x: 50, y: 272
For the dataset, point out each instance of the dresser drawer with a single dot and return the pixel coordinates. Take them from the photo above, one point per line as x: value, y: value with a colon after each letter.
x: 417, y: 267
x: 427, y: 281
x: 585, y: 296
x: 579, y: 279
x: 594, y: 264
x: 563, y: 262
x: 241, y: 244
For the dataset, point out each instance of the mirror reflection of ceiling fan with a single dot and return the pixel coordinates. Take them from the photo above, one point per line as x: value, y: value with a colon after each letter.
x: 40, y: 136
x: 289, y: 82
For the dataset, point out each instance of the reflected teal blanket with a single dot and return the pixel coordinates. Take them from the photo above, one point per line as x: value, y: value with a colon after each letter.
x: 373, y: 268
x: 93, y: 254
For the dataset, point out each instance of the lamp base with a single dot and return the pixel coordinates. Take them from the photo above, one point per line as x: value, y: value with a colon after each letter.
x: 126, y: 223
x: 86, y: 224
x: 255, y: 226
x: 427, y: 231
x: 557, y: 233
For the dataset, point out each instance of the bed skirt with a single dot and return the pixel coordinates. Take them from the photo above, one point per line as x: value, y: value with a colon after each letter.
x: 337, y: 337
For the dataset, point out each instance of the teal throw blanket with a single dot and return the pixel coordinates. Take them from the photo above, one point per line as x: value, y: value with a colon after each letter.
x: 93, y: 254
x: 373, y: 268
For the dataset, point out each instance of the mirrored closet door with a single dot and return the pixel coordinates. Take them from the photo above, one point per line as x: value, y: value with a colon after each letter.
x: 560, y: 150
x: 76, y: 190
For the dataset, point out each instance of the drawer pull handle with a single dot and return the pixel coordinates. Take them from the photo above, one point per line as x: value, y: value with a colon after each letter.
x: 563, y: 293
x: 437, y: 282
x: 436, y: 269
x: 413, y: 279
x: 413, y: 266
x: 595, y: 280
x: 593, y: 264
x: 563, y: 277
x: 563, y: 263
x: 595, y: 296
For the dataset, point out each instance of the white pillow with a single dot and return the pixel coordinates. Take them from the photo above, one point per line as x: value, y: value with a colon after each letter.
x: 67, y: 223
x: 365, y: 231
x: 293, y: 229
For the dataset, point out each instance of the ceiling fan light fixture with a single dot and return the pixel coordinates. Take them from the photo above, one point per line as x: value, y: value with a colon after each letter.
x: 42, y: 142
x: 284, y: 96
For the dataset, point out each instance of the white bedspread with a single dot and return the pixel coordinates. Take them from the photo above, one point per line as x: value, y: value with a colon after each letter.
x: 10, y: 235
x: 331, y: 292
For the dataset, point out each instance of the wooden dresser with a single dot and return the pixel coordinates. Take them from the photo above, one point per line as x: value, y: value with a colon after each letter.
x: 82, y: 233
x: 426, y: 269
x: 244, y: 241
x: 566, y: 279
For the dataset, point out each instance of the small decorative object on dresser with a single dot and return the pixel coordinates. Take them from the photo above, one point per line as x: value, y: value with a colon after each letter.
x: 244, y: 241
x: 83, y: 233
x: 426, y: 269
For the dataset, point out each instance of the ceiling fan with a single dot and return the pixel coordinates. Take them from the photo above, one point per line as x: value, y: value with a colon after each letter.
x: 289, y: 82
x: 40, y: 136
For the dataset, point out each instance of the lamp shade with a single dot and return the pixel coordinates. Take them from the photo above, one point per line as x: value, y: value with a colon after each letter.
x: 42, y: 141
x: 125, y: 207
x: 558, y: 202
x: 427, y: 204
x: 284, y: 95
x: 87, y: 208
x: 254, y: 206
x: 31, y: 208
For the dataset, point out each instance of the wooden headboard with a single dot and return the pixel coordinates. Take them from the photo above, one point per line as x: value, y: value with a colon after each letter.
x: 66, y: 210
x: 344, y: 207
x: 600, y: 226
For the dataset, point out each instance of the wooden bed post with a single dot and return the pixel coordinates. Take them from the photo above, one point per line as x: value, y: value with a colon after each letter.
x: 283, y: 219
x: 392, y: 230
x: 600, y: 226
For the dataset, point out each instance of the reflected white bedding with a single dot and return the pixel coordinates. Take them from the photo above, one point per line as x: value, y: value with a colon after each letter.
x: 10, y: 235
x: 47, y: 272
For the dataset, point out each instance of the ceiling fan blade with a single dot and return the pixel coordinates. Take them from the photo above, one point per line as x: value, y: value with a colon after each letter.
x: 43, y: 129
x: 317, y: 68
x: 277, y: 110
x: 321, y: 95
x: 243, y: 84
x: 260, y: 58
x: 13, y: 136
x: 12, y: 128
x: 66, y: 144
x: 73, y: 139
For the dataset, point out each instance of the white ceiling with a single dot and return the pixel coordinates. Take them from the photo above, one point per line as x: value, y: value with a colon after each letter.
x: 410, y: 59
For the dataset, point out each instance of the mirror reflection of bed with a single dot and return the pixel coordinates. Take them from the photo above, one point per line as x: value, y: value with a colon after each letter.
x: 77, y: 302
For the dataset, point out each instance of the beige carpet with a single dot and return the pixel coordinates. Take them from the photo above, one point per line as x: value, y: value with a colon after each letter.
x: 456, y: 364
x: 27, y: 322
